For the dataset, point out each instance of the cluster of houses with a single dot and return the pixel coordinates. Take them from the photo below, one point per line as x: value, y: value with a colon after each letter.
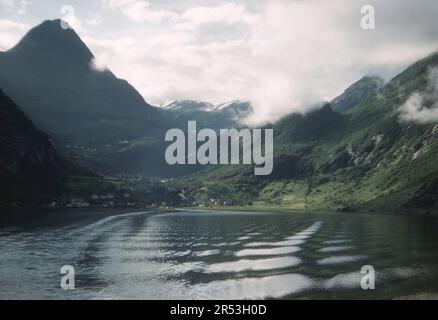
x: 213, y: 202
x: 129, y: 198
x: 105, y: 200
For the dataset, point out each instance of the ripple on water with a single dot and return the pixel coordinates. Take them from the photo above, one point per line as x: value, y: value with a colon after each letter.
x: 180, y: 253
x: 339, y: 259
x: 308, y: 232
x: 339, y: 241
x: 340, y: 236
x: 292, y: 241
x: 200, y: 244
x: 345, y: 280
x: 181, y: 268
x: 285, y: 243
x: 314, y: 227
x: 253, y: 288
x: 253, y: 265
x: 299, y: 237
x: 206, y: 253
x: 335, y: 248
x: 267, y: 251
x: 404, y: 272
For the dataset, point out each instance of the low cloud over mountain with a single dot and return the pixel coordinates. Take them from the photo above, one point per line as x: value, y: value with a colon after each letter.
x: 280, y: 55
x: 422, y: 106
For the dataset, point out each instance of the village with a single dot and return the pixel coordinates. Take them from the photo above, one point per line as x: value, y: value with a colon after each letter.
x: 132, y: 199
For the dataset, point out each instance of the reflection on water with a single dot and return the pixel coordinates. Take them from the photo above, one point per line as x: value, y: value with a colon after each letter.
x: 218, y: 255
x: 267, y: 252
x: 335, y: 248
x: 340, y: 259
x: 275, y: 244
x: 254, y: 265
x: 253, y: 288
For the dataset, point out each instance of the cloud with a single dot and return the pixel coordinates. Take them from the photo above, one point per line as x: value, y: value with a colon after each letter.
x: 140, y: 11
x: 97, y: 65
x: 94, y: 21
x: 7, y: 3
x: 23, y: 7
x: 422, y: 107
x: 227, y: 13
x: 191, y: 19
x: 282, y: 55
x: 11, y: 32
x: 19, y: 6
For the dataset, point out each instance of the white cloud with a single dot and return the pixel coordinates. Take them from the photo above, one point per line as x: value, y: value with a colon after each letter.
x: 422, y: 107
x: 75, y: 23
x: 18, y: 6
x: 11, y: 32
x: 23, y: 7
x: 285, y: 57
x: 228, y: 13
x: 7, y: 3
x: 282, y: 55
x: 94, y: 21
x: 140, y: 11
x: 97, y: 65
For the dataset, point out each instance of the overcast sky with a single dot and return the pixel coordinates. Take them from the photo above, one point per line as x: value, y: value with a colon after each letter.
x: 282, y: 55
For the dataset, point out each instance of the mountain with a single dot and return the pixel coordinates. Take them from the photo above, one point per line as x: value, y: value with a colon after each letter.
x: 359, y: 91
x: 236, y: 110
x: 30, y: 168
x: 364, y: 159
x: 90, y: 114
x: 188, y: 106
x: 225, y: 115
x: 354, y: 153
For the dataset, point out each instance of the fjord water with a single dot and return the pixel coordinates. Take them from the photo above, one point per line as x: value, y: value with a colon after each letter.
x: 216, y: 255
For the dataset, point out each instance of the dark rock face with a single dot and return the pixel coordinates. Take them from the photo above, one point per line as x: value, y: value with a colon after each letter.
x: 29, y: 165
x: 51, y: 36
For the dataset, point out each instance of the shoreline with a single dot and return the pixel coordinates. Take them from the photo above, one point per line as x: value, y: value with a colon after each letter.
x: 409, y: 212
x: 406, y: 212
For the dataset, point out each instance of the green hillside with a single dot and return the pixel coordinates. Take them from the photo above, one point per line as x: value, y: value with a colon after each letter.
x: 362, y: 159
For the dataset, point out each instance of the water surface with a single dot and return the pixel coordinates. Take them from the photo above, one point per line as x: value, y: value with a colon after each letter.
x: 216, y: 255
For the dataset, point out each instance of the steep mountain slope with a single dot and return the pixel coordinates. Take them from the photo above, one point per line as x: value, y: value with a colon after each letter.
x: 356, y: 93
x: 92, y: 116
x: 87, y: 112
x: 30, y: 168
x: 49, y: 73
x: 365, y: 159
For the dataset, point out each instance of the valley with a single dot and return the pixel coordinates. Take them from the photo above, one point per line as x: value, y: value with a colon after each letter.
x: 354, y: 153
